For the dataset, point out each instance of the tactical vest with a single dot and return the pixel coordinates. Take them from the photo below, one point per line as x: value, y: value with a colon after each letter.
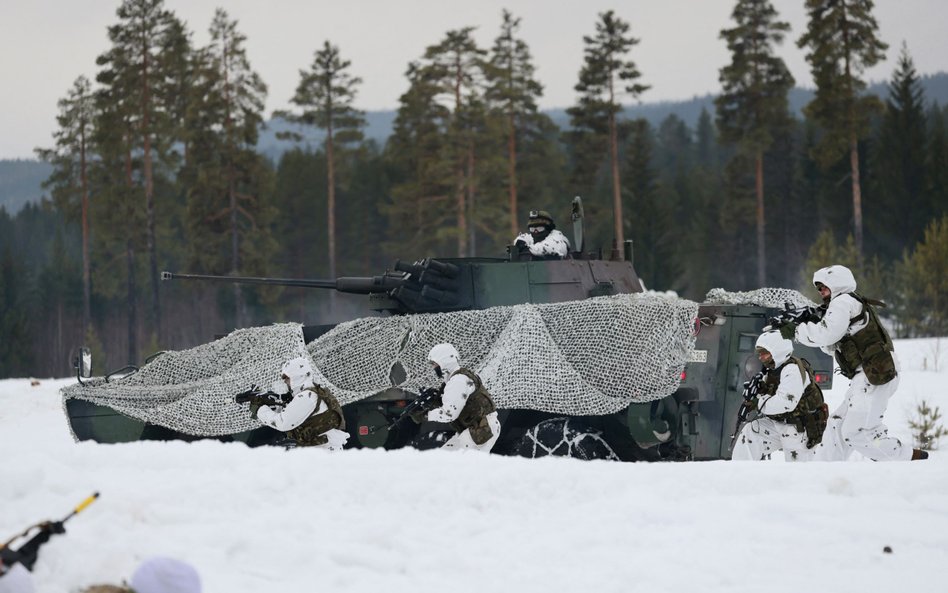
x: 312, y: 431
x: 473, y: 416
x: 870, y: 347
x: 811, y: 414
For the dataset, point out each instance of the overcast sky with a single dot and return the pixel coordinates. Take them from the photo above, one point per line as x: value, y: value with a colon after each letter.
x: 46, y: 44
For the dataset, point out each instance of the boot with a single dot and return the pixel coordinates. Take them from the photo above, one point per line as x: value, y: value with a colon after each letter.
x: 919, y: 454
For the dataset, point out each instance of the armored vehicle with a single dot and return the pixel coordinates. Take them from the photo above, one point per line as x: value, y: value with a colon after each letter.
x: 688, y: 416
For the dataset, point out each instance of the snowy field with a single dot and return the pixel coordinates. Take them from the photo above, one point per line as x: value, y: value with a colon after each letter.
x: 253, y: 520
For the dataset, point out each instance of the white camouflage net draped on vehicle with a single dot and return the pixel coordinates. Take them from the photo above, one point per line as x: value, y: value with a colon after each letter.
x: 762, y: 297
x: 588, y: 357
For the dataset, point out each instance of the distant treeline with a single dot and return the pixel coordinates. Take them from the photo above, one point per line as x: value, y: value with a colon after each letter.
x: 158, y: 165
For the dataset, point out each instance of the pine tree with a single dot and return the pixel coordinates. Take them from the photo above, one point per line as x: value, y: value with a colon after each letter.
x: 118, y: 213
x: 842, y: 42
x: 69, y: 182
x: 421, y: 216
x: 899, y: 166
x: 135, y: 58
x: 455, y: 67
x: 605, y: 77
x: 325, y: 95
x: 753, y: 100
x: 514, y: 90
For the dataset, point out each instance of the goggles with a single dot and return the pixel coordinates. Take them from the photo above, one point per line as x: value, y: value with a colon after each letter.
x: 537, y: 229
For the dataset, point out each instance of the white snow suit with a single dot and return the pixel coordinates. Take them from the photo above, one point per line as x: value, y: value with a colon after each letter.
x: 763, y: 435
x: 555, y: 243
x: 856, y: 425
x: 305, y: 403
x: 457, y: 388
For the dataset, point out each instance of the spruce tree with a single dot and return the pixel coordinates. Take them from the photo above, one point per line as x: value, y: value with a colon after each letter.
x: 69, y: 182
x: 753, y: 100
x: 936, y: 159
x: 513, y: 89
x: 606, y: 76
x: 899, y: 166
x: 842, y: 42
x: 324, y: 96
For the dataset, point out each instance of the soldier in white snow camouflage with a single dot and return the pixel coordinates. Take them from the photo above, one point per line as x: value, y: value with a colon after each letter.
x: 543, y: 241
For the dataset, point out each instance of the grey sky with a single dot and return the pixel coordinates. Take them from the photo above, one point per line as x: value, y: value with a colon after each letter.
x: 46, y: 44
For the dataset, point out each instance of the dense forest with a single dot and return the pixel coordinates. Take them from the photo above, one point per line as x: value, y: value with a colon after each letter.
x: 157, y: 165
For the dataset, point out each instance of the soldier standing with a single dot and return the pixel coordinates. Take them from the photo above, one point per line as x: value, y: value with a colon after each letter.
x: 313, y: 418
x: 543, y: 241
x: 851, y: 330
x: 790, y: 404
x: 464, y: 404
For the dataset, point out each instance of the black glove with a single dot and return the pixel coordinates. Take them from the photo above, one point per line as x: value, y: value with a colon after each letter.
x: 788, y: 331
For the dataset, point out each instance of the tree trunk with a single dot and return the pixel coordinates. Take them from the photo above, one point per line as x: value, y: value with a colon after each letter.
x: 86, y: 269
x: 149, y: 196
x: 857, y: 195
x: 616, y: 187
x: 331, y: 209
x: 761, y: 224
x: 131, y: 304
x: 131, y: 297
x: 512, y: 175
x: 472, y: 248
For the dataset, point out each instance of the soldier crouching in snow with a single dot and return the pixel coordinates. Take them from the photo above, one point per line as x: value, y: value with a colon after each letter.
x: 790, y: 404
x: 464, y: 403
x: 313, y: 418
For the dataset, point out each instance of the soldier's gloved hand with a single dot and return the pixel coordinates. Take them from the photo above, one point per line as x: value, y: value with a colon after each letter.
x: 788, y: 331
x: 747, y: 407
x: 253, y: 410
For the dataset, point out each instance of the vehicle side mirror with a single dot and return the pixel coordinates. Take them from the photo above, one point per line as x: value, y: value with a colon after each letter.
x: 83, y: 364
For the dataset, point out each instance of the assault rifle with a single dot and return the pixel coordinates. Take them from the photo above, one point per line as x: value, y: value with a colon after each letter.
x: 26, y: 554
x: 751, y: 389
x: 428, y: 399
x: 795, y: 315
x: 258, y: 397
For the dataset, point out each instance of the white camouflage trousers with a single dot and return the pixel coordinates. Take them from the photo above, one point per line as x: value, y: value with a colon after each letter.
x: 463, y: 440
x: 856, y: 425
x: 763, y: 436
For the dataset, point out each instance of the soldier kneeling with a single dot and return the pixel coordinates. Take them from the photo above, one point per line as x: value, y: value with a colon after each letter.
x: 464, y: 403
x: 792, y: 415
x: 313, y: 418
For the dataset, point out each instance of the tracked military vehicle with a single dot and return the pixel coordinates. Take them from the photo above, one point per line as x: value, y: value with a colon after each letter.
x: 580, y: 362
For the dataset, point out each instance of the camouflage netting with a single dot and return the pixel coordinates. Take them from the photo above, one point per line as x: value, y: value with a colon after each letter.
x: 588, y: 357
x: 763, y: 297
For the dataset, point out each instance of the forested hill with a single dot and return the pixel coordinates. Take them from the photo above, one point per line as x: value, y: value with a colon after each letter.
x: 20, y: 180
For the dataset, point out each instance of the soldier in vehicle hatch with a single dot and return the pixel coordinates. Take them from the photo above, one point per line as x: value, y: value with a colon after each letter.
x: 790, y: 403
x: 464, y: 403
x: 543, y: 241
x: 313, y: 418
x: 851, y: 330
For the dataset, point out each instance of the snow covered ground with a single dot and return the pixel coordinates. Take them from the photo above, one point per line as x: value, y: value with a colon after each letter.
x: 251, y: 520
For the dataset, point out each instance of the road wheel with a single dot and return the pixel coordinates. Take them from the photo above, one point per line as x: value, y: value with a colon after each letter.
x: 565, y: 437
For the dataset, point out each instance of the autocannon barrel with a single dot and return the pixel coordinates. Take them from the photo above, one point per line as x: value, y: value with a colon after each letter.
x: 351, y: 284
